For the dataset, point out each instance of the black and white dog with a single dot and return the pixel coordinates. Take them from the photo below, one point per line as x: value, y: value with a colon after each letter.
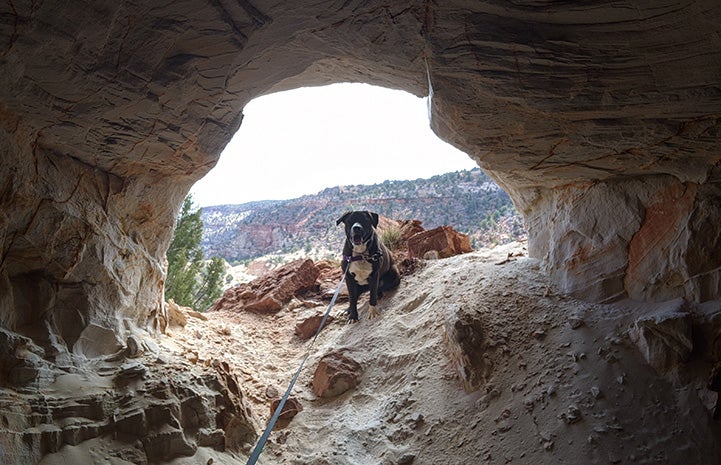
x: 367, y: 262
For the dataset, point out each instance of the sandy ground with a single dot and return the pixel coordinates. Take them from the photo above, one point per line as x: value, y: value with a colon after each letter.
x: 566, y: 386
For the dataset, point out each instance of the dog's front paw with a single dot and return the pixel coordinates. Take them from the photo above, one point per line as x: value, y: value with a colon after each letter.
x: 352, y: 315
x: 372, y: 312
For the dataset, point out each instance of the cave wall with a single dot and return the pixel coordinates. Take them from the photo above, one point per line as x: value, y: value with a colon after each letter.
x: 601, y: 121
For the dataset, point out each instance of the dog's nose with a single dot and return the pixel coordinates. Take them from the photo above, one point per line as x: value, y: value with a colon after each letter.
x: 356, y: 227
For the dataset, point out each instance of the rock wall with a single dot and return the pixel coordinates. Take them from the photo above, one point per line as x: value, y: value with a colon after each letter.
x: 649, y: 238
x: 590, y: 118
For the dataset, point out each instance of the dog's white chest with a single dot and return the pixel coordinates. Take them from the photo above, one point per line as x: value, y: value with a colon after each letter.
x: 361, y: 270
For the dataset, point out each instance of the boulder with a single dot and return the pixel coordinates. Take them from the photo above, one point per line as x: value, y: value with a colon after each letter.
x: 336, y: 373
x: 291, y: 408
x: 442, y: 242
x: 664, y: 337
x: 271, y: 292
x: 308, y: 323
x: 176, y: 314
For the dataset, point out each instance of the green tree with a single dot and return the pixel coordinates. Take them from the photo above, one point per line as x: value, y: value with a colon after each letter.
x: 191, y: 281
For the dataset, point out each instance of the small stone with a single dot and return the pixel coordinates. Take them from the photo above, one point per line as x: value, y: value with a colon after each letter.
x: 133, y: 347
x: 308, y: 324
x: 271, y: 392
x: 572, y: 415
x: 596, y: 392
x: 548, y: 445
x: 406, y: 459
x: 417, y: 420
x: 291, y: 408
x: 575, y: 322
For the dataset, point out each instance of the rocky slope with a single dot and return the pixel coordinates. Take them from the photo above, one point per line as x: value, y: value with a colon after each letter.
x: 546, y: 379
x: 468, y: 200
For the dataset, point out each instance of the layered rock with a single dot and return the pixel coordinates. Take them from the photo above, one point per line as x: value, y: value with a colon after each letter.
x: 601, y: 121
x: 589, y: 117
x: 271, y: 292
x: 152, y: 406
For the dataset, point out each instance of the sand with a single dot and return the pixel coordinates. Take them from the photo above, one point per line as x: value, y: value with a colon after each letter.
x: 567, y: 386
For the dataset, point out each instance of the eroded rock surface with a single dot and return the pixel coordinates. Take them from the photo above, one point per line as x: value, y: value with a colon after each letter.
x: 155, y: 409
x: 601, y: 121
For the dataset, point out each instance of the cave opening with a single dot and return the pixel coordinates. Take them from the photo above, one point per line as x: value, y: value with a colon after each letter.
x: 302, y: 157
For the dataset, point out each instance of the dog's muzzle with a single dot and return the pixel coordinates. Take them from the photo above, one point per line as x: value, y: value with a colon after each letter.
x: 357, y: 234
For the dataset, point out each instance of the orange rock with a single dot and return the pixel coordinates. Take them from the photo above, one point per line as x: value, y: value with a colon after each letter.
x: 444, y: 240
x: 336, y: 373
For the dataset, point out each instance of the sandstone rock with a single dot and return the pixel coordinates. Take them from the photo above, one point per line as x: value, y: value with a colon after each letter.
x: 308, y: 324
x: 707, y: 330
x: 444, y: 240
x: 466, y: 341
x: 270, y: 292
x: 133, y: 347
x: 336, y: 373
x: 291, y: 408
x: 22, y: 363
x: 94, y: 169
x: 104, y: 127
x: 166, y: 414
x: 176, y: 314
x: 664, y: 337
x: 96, y: 341
x: 167, y: 444
x: 329, y: 276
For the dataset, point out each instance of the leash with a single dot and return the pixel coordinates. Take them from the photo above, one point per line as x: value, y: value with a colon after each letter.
x: 268, y: 429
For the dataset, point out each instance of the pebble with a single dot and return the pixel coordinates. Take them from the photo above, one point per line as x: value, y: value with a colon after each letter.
x: 406, y: 459
x: 572, y: 415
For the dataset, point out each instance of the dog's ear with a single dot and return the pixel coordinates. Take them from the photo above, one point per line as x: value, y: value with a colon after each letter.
x: 342, y: 218
x: 374, y: 218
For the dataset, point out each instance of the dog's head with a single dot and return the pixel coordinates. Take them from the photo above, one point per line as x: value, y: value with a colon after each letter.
x: 359, y: 226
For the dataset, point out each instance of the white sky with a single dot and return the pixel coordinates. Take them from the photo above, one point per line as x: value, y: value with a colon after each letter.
x: 301, y: 141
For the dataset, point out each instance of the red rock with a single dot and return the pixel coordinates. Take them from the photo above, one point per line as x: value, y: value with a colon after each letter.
x: 291, y: 408
x: 444, y: 240
x: 309, y: 323
x: 336, y: 373
x: 270, y: 292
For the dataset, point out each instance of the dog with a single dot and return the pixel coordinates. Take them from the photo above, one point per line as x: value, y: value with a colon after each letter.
x: 366, y: 261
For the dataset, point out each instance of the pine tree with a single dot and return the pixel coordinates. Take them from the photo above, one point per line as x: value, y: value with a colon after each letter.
x: 190, y: 281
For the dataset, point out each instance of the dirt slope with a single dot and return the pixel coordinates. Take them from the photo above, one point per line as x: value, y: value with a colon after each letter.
x: 554, y: 394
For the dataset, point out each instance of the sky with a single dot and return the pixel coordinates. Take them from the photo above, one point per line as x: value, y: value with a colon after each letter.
x: 302, y: 141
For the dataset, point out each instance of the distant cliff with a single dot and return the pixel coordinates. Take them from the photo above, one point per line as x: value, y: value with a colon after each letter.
x: 467, y: 200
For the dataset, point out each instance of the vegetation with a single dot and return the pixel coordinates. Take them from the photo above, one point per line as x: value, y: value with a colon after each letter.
x: 192, y: 281
x: 391, y: 237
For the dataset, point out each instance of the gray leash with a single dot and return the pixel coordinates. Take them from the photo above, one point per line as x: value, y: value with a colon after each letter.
x: 268, y: 429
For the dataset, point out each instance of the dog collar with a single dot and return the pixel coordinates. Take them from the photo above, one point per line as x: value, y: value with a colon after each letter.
x: 369, y: 258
